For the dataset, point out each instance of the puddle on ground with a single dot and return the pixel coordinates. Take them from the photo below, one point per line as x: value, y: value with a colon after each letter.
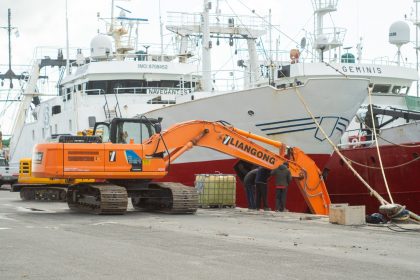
x: 34, y: 209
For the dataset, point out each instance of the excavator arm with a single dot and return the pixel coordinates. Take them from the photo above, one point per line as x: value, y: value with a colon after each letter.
x: 236, y: 143
x: 150, y: 159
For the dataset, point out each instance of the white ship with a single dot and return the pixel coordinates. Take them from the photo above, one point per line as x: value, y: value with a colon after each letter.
x: 396, y: 115
x: 274, y: 98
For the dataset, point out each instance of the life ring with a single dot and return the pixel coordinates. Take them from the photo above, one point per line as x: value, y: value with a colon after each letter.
x: 354, y: 141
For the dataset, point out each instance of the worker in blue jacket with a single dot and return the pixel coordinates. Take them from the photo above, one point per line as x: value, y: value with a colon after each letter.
x: 249, y: 183
x: 261, y: 185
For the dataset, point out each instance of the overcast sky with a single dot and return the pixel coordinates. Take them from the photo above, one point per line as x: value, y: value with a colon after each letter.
x: 42, y: 22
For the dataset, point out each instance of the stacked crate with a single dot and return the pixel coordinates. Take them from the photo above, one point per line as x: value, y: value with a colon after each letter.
x: 216, y: 190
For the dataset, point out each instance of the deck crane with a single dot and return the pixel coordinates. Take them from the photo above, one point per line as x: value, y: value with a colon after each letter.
x: 128, y: 154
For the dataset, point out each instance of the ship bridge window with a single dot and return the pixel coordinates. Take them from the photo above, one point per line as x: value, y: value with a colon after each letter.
x: 132, y: 86
x: 400, y: 89
x: 380, y: 88
x: 283, y: 71
x: 158, y: 100
x: 171, y: 84
x: 96, y: 87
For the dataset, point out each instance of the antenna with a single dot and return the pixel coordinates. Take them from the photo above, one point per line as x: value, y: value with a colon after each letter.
x: 161, y: 33
x: 399, y: 34
x: 9, y: 73
x: 67, y: 44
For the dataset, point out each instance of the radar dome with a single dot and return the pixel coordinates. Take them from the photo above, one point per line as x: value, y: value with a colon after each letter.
x: 321, y: 41
x: 399, y: 33
x: 101, y: 47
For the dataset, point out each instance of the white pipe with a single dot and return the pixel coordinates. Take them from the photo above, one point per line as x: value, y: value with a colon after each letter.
x: 206, y: 55
x: 67, y: 44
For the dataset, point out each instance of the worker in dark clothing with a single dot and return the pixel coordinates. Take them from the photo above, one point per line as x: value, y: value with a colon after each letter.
x: 249, y: 182
x: 282, y: 178
x: 261, y: 185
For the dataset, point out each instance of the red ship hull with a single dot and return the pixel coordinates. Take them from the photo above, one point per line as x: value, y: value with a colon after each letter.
x: 185, y: 173
x: 403, y: 180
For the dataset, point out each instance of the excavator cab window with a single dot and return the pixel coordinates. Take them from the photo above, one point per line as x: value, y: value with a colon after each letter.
x: 102, y: 129
x: 122, y: 130
x: 138, y: 132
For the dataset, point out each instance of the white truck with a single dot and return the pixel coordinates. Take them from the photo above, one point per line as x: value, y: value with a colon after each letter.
x: 8, y: 174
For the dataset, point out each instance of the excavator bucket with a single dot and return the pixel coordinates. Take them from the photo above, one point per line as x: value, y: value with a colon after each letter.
x: 310, y: 182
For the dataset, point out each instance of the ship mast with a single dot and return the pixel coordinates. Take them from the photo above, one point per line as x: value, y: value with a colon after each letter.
x: 206, y: 47
x: 67, y: 44
x: 9, y: 73
x: 326, y: 38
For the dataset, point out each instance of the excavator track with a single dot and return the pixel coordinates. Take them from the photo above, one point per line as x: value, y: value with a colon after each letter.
x: 99, y: 199
x: 171, y: 198
x: 45, y: 193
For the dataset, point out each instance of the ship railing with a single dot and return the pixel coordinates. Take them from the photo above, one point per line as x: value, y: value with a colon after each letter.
x: 94, y: 91
x: 283, y: 59
x: 356, y: 144
x: 143, y: 90
x: 233, y: 80
x: 224, y: 22
x: 331, y: 36
x: 355, y: 138
x: 52, y: 52
x: 153, y: 90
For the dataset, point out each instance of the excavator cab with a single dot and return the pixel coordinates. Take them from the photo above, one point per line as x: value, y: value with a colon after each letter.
x: 127, y: 130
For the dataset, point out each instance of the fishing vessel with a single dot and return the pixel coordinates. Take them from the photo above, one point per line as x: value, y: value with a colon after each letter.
x: 119, y: 80
x: 395, y: 112
x: 391, y: 163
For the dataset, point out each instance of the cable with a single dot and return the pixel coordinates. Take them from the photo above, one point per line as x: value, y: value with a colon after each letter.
x: 377, y: 146
x: 388, y: 141
x: 387, y: 167
x: 402, y: 229
x: 376, y: 194
x: 288, y: 37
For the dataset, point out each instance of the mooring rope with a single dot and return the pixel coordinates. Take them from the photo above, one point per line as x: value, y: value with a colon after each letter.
x: 382, y: 201
x: 377, y: 146
x: 305, y: 105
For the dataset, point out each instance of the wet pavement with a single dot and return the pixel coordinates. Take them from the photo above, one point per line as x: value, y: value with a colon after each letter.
x: 45, y: 240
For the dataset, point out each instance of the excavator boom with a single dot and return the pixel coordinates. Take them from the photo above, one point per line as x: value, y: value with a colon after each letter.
x: 150, y: 159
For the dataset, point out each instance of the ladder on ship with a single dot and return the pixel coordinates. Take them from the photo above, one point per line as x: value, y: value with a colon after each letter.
x: 112, y: 111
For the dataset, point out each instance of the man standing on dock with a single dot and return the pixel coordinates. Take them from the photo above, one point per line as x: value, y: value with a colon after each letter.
x: 261, y: 183
x: 249, y: 183
x: 282, y: 178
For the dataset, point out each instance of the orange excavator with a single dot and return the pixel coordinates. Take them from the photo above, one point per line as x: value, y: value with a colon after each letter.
x: 128, y: 154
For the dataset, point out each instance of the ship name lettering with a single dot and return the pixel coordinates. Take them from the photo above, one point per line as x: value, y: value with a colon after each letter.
x: 361, y: 69
x: 168, y: 91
